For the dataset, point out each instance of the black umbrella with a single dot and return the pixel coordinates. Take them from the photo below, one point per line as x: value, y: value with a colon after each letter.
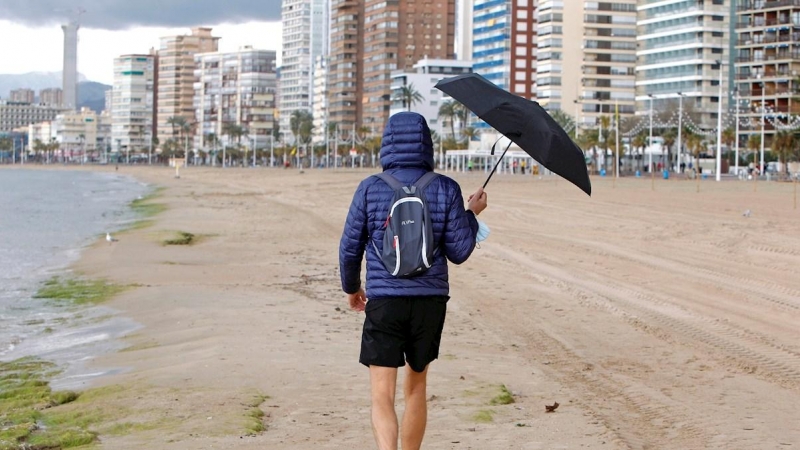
x: 522, y: 121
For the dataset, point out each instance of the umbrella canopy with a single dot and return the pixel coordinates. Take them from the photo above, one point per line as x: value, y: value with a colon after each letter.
x: 522, y: 121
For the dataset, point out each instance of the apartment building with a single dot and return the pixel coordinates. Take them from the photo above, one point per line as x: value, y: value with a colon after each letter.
x: 81, y: 133
x: 15, y: 115
x: 504, y: 44
x: 320, y: 100
x: 767, y: 63
x: 133, y: 103
x: 683, y: 50
x: 51, y: 96
x: 305, y: 38
x: 369, y: 40
x: 237, y: 88
x: 424, y: 77
x: 175, y: 68
x: 22, y: 96
x: 586, y: 65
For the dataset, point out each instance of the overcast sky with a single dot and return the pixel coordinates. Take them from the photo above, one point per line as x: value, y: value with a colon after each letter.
x: 31, y: 39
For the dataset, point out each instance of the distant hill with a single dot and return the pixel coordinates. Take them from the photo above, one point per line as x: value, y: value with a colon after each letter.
x: 33, y: 80
x: 90, y: 93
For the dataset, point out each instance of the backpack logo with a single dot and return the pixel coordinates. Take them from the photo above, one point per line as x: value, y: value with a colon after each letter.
x: 408, y: 247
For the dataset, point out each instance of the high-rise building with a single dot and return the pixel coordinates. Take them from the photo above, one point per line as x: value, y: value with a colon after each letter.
x: 235, y: 88
x: 70, y: 70
x: 586, y: 57
x: 320, y: 101
x: 681, y: 46
x: 305, y: 37
x: 370, y: 40
x: 464, y: 29
x: 51, y: 96
x: 504, y: 44
x: 23, y: 95
x: 133, y: 103
x: 175, y: 68
x: 345, y: 62
x: 767, y: 64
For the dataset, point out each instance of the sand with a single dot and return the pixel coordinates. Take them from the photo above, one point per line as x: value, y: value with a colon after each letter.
x: 660, y: 319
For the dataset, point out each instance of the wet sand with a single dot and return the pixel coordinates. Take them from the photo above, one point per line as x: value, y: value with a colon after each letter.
x: 661, y: 319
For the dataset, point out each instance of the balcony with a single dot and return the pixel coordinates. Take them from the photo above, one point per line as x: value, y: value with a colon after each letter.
x: 795, y: 55
x: 773, y: 22
x: 758, y: 5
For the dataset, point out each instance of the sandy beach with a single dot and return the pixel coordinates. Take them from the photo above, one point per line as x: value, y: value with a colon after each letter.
x: 657, y: 319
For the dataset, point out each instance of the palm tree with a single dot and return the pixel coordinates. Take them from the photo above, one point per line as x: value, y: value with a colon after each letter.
x: 409, y: 96
x: 177, y: 123
x: 605, y: 125
x: 302, y: 125
x: 38, y: 147
x: 211, y: 140
x: 471, y: 133
x: 783, y: 145
x: 694, y: 143
x: 6, y: 144
x: 640, y: 142
x: 447, y: 111
x: 754, y: 144
x: 669, y: 138
x: 564, y: 120
x: 462, y: 114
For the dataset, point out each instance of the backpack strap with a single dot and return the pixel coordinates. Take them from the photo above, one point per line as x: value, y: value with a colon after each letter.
x: 425, y: 180
x: 390, y: 180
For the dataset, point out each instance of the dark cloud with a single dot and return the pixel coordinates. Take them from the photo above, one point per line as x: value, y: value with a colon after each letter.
x: 121, y: 14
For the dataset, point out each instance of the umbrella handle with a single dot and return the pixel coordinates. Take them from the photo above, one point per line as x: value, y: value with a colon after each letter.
x: 497, y: 164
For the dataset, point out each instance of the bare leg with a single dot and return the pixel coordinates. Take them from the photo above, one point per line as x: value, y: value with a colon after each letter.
x: 416, y: 414
x: 384, y: 418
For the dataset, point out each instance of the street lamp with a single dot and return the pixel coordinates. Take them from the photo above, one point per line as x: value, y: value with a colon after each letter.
x: 253, y: 141
x: 736, y: 170
x: 763, y: 123
x: 680, y: 131
x: 719, y: 125
x: 650, y: 142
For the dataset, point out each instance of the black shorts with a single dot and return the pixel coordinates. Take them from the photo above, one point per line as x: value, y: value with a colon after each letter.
x: 400, y: 329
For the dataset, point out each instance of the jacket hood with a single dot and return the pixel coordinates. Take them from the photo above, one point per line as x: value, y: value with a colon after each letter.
x: 407, y: 143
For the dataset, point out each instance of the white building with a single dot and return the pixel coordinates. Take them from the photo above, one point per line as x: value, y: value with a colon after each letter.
x: 305, y: 37
x: 320, y: 100
x: 679, y: 45
x: 427, y: 73
x: 132, y: 105
x: 235, y: 88
x: 464, y: 29
x: 42, y: 132
x: 77, y: 133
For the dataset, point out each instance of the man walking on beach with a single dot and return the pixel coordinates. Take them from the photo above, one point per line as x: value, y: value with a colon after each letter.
x: 404, y: 316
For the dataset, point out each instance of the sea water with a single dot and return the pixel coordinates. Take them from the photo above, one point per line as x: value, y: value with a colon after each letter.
x: 46, y: 218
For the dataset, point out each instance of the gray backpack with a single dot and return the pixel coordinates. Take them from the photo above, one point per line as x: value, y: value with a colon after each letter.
x: 408, y: 247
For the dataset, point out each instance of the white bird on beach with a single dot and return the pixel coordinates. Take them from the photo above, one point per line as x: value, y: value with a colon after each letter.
x: 110, y: 239
x: 746, y: 213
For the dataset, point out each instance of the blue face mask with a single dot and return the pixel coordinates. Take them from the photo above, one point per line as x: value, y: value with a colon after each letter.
x: 483, y: 232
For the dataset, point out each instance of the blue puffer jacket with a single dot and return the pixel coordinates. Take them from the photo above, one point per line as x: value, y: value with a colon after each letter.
x: 407, y: 154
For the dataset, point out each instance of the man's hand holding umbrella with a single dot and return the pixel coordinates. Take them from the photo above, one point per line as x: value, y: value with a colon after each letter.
x: 477, y: 201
